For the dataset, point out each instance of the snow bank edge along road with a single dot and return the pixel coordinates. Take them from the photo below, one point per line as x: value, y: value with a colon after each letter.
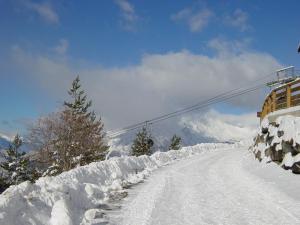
x: 73, y: 197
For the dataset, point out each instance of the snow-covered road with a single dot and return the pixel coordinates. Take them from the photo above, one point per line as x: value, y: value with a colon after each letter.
x: 220, y: 187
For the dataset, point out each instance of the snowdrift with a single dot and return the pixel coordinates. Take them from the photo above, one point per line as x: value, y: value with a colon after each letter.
x: 279, y: 142
x: 79, y: 196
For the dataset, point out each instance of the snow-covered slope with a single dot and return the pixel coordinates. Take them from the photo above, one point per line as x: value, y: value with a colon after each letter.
x: 221, y: 187
x: 222, y: 127
x: 79, y: 196
x: 4, y: 144
x: 279, y: 142
x: 4, y: 141
x: 211, y: 126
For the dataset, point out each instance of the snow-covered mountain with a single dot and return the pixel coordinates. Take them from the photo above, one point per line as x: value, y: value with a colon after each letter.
x: 211, y: 126
x: 5, y: 141
x: 4, y: 144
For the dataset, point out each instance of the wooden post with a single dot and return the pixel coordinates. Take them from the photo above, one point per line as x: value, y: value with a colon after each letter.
x: 288, y: 96
x: 273, y: 101
x: 263, y: 111
x: 270, y: 104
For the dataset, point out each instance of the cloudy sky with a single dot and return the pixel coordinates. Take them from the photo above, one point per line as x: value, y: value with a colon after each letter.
x: 139, y: 58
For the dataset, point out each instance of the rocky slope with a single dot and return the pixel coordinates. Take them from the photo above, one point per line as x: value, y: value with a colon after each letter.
x: 279, y: 142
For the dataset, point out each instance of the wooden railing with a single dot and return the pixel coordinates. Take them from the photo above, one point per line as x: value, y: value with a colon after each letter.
x: 285, y: 96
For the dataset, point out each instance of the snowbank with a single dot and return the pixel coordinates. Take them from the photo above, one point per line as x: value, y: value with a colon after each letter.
x: 279, y: 142
x: 79, y: 195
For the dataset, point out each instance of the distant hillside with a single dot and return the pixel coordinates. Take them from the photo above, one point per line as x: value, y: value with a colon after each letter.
x: 5, y: 142
x: 208, y: 127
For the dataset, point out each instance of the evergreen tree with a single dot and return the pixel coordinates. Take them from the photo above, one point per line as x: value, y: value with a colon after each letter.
x: 175, y: 143
x: 79, y: 105
x: 3, y: 184
x: 16, y: 166
x: 78, y: 134
x: 142, y: 143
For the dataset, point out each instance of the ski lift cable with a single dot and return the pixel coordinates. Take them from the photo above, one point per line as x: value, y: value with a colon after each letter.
x: 190, y: 107
x: 199, y: 103
x: 199, y: 107
x: 186, y: 111
x: 196, y: 108
x: 117, y: 132
x: 135, y: 126
x: 218, y: 101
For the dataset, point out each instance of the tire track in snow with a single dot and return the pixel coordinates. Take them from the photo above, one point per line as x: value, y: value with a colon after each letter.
x: 211, y: 188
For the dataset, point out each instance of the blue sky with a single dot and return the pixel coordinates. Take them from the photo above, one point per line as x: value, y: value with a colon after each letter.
x: 117, y: 43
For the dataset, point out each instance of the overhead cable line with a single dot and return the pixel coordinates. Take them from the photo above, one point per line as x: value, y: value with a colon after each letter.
x: 216, y: 99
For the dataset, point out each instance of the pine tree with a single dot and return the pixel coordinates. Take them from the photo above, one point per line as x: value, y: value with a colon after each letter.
x: 142, y: 143
x: 79, y: 135
x: 3, y: 183
x: 88, y: 140
x: 175, y: 143
x: 71, y: 137
x: 16, y: 165
x: 79, y: 105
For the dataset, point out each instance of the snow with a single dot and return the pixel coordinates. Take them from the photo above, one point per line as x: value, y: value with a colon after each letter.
x: 77, y: 196
x: 288, y: 160
x: 264, y: 123
x: 290, y: 126
x: 4, y: 144
x: 210, y: 126
x: 225, y: 186
x: 60, y: 214
x: 284, y: 135
x: 202, y: 184
x: 289, y: 110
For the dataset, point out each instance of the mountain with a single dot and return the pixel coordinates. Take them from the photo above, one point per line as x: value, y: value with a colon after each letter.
x: 211, y: 126
x: 4, y: 142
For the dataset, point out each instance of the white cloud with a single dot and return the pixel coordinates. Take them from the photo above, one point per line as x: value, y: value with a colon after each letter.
x: 129, y: 16
x: 209, y: 126
x: 62, y: 47
x: 44, y: 10
x: 160, y: 83
x: 196, y: 20
x: 222, y: 127
x: 238, y: 19
x: 228, y: 48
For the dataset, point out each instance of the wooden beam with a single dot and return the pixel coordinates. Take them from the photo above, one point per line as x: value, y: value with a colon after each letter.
x: 273, y: 101
x: 288, y: 96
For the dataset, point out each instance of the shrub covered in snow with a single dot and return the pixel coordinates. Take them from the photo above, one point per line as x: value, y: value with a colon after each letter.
x: 279, y: 142
x: 76, y: 196
x: 16, y: 168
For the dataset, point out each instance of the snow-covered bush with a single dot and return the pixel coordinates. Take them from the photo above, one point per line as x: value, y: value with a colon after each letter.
x: 16, y: 168
x: 76, y: 196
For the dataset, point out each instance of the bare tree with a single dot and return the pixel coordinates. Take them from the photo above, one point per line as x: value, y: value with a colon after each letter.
x: 71, y: 137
